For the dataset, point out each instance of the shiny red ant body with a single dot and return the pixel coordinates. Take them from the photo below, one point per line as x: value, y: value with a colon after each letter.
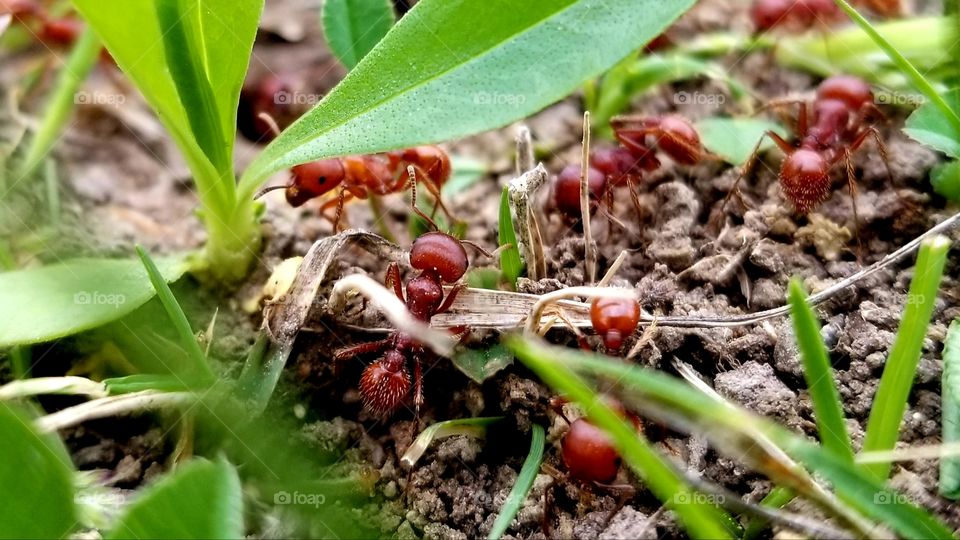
x: 587, y: 451
x: 829, y: 130
x: 362, y: 176
x: 441, y: 259
x: 614, y: 320
x: 640, y: 139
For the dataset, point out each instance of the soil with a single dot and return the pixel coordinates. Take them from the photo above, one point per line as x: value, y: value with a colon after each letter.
x: 125, y: 182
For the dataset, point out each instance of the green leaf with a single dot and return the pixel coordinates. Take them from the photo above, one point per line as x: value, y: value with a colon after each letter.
x: 945, y: 179
x: 50, y: 302
x: 734, y: 139
x: 950, y: 396
x: 483, y: 278
x: 890, y: 401
x: 188, y: 59
x: 510, y: 264
x: 354, y: 27
x: 201, y: 499
x: 929, y: 126
x: 37, y: 477
x: 199, y: 365
x: 818, y: 373
x: 452, y: 68
x: 481, y: 364
x: 518, y: 494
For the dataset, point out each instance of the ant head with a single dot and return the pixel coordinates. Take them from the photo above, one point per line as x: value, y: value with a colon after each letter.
x: 679, y: 140
x: 614, y: 319
x: 385, y: 383
x: 566, y: 188
x: 805, y: 179
x: 314, y: 179
x: 847, y: 89
x: 440, y: 254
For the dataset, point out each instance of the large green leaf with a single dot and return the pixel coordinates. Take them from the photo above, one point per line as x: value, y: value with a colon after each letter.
x: 188, y: 58
x: 46, y: 303
x: 733, y: 139
x: 354, y: 27
x: 451, y: 68
x: 36, y: 476
x: 931, y: 127
x: 202, y: 499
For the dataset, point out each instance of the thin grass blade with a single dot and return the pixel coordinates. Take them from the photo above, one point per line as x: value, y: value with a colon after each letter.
x: 528, y: 473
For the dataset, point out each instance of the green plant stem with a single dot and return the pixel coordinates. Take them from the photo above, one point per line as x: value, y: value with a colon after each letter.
x: 528, y: 473
x: 61, y: 102
x: 234, y: 238
x: 777, y: 498
x: 890, y: 402
x: 916, y: 78
x: 818, y: 372
x: 178, y: 318
x: 700, y: 518
x: 52, y: 183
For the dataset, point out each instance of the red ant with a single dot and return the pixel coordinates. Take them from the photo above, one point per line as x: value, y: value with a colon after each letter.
x: 269, y: 97
x: 362, y: 176
x: 640, y: 138
x: 794, y: 14
x: 835, y: 129
x: 614, y: 320
x: 441, y: 259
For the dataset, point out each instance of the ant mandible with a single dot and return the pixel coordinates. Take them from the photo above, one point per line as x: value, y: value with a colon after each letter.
x: 640, y: 138
x: 829, y: 130
x: 362, y: 176
x: 440, y: 259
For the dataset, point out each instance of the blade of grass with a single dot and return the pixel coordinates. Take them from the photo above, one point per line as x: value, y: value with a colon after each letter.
x: 890, y: 402
x: 510, y: 263
x: 62, y: 100
x: 818, y: 373
x: 471, y: 427
x: 177, y: 317
x: 950, y: 398
x: 776, y: 499
x: 528, y: 473
x: 909, y: 70
x: 699, y: 518
x: 742, y: 435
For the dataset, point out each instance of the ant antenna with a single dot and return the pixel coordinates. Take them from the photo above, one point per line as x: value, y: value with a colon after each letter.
x: 268, y: 189
x: 483, y: 251
x: 412, y: 173
x: 270, y: 122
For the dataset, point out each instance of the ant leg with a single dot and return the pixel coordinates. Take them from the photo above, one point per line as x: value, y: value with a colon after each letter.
x: 451, y: 296
x: 417, y: 385
x: 341, y: 199
x: 393, y: 280
x: 751, y: 162
x: 434, y: 188
x: 351, y: 351
x: 882, y: 148
x: 411, y: 171
x: 632, y: 187
x: 852, y: 184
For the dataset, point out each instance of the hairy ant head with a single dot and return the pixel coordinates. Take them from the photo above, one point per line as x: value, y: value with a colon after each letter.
x: 566, y: 188
x: 847, y: 89
x: 614, y: 319
x: 440, y: 254
x: 805, y: 179
x: 385, y: 383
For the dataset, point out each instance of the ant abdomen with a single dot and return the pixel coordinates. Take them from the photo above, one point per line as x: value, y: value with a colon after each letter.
x: 805, y: 179
x: 385, y: 383
x: 566, y: 188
